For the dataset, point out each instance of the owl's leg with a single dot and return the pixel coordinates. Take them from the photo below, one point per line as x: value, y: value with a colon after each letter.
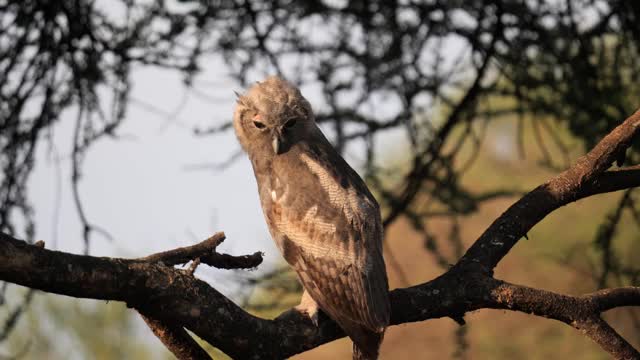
x: 308, y: 306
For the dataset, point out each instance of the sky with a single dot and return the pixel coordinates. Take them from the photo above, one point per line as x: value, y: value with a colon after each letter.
x: 155, y: 187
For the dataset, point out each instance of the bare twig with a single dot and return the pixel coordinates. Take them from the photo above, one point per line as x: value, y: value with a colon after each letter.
x: 194, y: 266
x: 206, y: 252
x: 185, y: 254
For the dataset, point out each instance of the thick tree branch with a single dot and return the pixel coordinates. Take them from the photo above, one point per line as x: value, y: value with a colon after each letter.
x: 565, y: 308
x: 580, y: 312
x: 136, y: 280
x: 586, y: 177
x: 605, y: 336
x: 172, y: 296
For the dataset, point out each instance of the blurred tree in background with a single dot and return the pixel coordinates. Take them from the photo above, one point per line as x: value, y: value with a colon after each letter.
x: 438, y: 74
x: 83, y: 330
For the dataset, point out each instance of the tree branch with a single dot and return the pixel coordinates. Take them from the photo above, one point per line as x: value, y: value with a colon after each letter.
x: 607, y: 299
x: 580, y: 312
x: 137, y: 282
x: 176, y: 339
x: 585, y: 178
x: 172, y: 296
x: 605, y: 336
x: 206, y: 252
x: 185, y: 254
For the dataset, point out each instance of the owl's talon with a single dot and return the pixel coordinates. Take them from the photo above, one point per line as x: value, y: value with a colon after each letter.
x: 309, y: 307
x: 312, y: 313
x: 314, y: 318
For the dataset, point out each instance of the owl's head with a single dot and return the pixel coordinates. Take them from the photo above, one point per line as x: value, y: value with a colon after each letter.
x: 272, y: 117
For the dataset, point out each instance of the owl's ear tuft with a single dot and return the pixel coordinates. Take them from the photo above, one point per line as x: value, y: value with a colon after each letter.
x: 241, y: 100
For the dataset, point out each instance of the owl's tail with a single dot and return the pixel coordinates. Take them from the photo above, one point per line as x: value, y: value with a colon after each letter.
x: 366, y: 345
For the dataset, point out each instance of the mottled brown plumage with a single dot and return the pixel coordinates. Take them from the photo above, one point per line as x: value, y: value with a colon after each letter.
x: 320, y: 213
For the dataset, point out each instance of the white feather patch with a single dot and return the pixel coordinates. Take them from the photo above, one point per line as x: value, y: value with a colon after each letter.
x: 347, y: 200
x: 311, y: 219
x: 312, y: 223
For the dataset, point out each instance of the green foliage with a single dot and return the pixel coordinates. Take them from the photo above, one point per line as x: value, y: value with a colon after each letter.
x: 67, y: 328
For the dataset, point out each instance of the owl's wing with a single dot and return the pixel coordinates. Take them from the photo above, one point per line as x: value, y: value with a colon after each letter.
x: 349, y: 293
x: 328, y: 228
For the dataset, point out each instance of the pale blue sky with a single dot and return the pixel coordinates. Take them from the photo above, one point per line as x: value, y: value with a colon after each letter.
x: 142, y: 188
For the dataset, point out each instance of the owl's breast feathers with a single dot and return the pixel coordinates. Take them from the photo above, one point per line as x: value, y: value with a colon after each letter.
x: 327, y: 226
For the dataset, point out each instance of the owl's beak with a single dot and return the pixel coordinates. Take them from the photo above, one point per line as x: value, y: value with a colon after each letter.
x: 278, y: 144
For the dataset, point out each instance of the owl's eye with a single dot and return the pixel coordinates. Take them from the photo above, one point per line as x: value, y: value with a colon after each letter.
x: 258, y: 124
x: 289, y: 124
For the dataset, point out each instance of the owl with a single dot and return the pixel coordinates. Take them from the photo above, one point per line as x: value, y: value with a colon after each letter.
x: 320, y: 213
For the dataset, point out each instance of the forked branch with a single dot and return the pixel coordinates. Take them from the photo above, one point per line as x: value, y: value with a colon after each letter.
x: 586, y: 177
